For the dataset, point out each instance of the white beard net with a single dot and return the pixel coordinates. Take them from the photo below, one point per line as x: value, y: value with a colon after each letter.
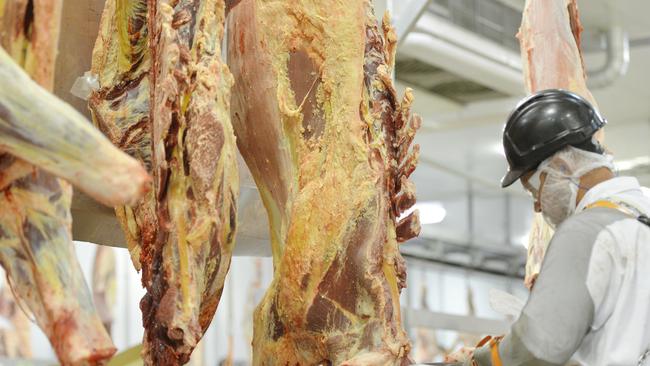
x: 563, y: 172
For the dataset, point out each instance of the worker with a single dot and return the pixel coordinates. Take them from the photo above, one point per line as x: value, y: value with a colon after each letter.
x: 591, y: 301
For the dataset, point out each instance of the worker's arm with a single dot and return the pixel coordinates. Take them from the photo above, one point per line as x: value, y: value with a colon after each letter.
x: 560, y: 310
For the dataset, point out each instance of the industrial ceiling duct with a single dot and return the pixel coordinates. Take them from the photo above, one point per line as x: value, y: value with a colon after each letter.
x: 455, y: 43
x: 445, y: 45
x: 618, y: 59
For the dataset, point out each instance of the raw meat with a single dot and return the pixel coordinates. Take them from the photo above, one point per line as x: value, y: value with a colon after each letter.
x: 550, y: 47
x: 120, y: 108
x: 15, y: 332
x: 320, y: 127
x: 164, y: 98
x: 42, y: 130
x: 549, y: 37
x: 35, y: 242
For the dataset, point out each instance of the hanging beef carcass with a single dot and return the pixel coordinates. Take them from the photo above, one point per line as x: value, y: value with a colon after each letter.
x: 15, y: 337
x: 164, y: 98
x: 40, y: 129
x: 550, y: 49
x: 320, y: 127
x: 35, y: 240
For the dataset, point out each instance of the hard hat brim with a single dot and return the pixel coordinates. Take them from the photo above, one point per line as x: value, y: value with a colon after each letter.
x: 511, y: 177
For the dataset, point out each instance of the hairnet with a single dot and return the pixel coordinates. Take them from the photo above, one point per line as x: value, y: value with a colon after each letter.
x: 563, y: 172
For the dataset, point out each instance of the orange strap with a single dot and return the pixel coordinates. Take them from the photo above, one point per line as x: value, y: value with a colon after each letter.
x: 494, y: 349
x: 606, y: 204
x: 616, y: 206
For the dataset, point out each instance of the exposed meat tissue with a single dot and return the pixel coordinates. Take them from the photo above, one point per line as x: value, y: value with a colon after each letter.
x: 164, y: 99
x: 320, y: 127
x: 36, y: 247
x: 328, y: 142
x: 550, y: 49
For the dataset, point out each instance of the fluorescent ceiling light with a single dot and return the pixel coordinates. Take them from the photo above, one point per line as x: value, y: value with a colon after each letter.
x: 524, y: 240
x: 632, y: 163
x: 430, y: 212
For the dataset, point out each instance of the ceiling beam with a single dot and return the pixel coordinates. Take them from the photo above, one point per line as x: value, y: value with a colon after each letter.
x: 411, y: 11
x: 438, y: 42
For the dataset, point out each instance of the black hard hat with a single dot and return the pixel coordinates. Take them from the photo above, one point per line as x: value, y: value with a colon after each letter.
x: 543, y: 124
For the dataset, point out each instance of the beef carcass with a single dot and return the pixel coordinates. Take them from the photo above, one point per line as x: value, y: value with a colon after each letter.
x: 42, y: 130
x: 320, y: 127
x: 120, y: 107
x: 549, y: 37
x: 164, y: 98
x: 15, y: 337
x: 550, y: 47
x: 35, y: 240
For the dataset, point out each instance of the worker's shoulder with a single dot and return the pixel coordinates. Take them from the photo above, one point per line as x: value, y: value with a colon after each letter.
x: 594, y: 218
x: 587, y: 225
x: 577, y: 237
